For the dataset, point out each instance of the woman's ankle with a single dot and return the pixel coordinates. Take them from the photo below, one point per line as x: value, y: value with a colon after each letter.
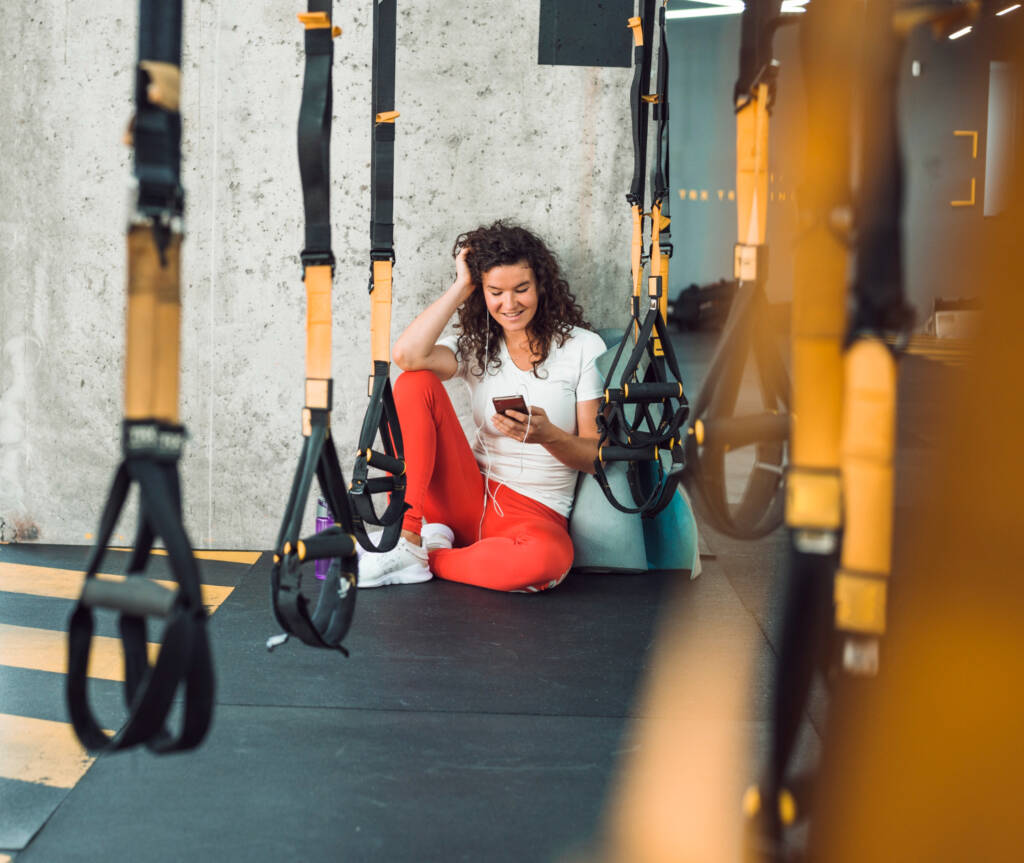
x: 414, y: 538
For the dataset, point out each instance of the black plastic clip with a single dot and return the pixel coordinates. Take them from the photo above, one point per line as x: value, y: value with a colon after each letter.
x: 317, y: 259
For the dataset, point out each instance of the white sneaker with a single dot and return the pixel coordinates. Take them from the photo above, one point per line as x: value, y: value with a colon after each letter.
x: 437, y: 536
x: 404, y: 564
x: 374, y: 537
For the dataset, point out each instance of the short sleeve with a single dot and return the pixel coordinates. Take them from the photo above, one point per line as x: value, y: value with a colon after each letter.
x: 451, y: 342
x: 591, y: 383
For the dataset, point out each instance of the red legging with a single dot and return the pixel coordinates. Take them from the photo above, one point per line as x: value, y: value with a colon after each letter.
x: 526, y: 549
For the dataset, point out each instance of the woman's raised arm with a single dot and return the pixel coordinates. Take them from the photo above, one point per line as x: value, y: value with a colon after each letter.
x: 417, y: 349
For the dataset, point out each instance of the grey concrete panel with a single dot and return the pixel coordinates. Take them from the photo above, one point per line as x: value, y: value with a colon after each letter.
x: 484, y: 133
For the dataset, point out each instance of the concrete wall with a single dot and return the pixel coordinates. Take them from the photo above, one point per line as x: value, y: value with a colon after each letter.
x: 484, y: 133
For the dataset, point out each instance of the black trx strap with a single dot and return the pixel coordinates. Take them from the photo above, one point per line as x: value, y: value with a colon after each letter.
x: 818, y: 598
x: 645, y: 406
x: 152, y: 440
x: 381, y: 415
x: 662, y: 169
x: 328, y: 622
x: 716, y: 429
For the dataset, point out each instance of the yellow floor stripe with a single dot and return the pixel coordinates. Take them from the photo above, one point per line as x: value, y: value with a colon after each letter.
x: 40, y: 751
x: 47, y: 650
x: 67, y: 583
x: 249, y: 557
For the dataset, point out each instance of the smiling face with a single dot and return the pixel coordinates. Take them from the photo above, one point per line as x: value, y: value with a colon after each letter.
x: 510, y: 291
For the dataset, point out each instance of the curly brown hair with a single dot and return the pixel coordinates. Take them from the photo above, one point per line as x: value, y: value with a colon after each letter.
x: 557, y: 310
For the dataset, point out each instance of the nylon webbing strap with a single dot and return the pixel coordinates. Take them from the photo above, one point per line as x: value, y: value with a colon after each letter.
x: 382, y: 155
x: 151, y: 454
x: 325, y: 624
x: 878, y: 278
x: 381, y: 418
x: 643, y: 34
x: 157, y: 123
x: 659, y: 172
x: 757, y: 27
x: 661, y: 249
x: 660, y: 183
x: 314, y: 132
x: 151, y: 442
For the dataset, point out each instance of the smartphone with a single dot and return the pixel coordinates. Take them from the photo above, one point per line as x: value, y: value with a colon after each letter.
x: 510, y: 403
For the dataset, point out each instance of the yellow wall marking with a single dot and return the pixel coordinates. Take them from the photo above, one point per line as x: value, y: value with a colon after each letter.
x: 249, y: 557
x: 973, y: 135
x: 693, y: 194
x: 67, y: 583
x: 703, y: 194
x: 732, y: 195
x: 40, y: 751
x: 47, y: 650
x: 967, y: 203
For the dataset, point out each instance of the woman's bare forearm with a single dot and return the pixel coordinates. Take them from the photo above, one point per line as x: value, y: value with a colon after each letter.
x: 574, y: 451
x: 418, y: 339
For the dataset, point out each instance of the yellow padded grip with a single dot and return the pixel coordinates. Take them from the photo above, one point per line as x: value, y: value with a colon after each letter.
x: 752, y: 169
x: 318, y: 322
x: 868, y: 441
x: 656, y: 232
x: 813, y: 500
x: 380, y: 312
x: 140, y: 323
x: 860, y: 603
x: 167, y: 335
x: 636, y: 249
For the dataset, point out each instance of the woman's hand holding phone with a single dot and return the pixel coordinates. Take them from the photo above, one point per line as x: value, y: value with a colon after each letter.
x: 529, y: 424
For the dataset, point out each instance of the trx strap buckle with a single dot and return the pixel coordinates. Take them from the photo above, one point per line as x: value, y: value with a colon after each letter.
x: 147, y: 438
x: 383, y: 254
x: 317, y: 259
x: 749, y: 262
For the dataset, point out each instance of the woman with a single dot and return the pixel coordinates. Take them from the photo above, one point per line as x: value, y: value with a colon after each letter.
x: 497, y: 509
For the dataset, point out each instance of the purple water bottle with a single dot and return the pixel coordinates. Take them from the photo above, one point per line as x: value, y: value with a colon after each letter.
x: 324, y: 520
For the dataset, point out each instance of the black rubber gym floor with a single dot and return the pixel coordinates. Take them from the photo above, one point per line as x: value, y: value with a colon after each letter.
x: 466, y: 725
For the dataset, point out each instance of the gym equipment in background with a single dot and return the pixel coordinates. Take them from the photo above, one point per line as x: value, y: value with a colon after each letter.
x: 644, y: 403
x: 329, y: 621
x: 381, y: 417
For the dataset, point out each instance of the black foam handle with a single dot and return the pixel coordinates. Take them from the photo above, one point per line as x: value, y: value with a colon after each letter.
x: 735, y: 432
x: 380, y: 484
x: 385, y: 462
x: 135, y: 595
x: 625, y: 453
x: 634, y: 393
x: 327, y: 544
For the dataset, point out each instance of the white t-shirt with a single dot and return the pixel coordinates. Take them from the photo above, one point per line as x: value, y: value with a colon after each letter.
x: 566, y: 377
